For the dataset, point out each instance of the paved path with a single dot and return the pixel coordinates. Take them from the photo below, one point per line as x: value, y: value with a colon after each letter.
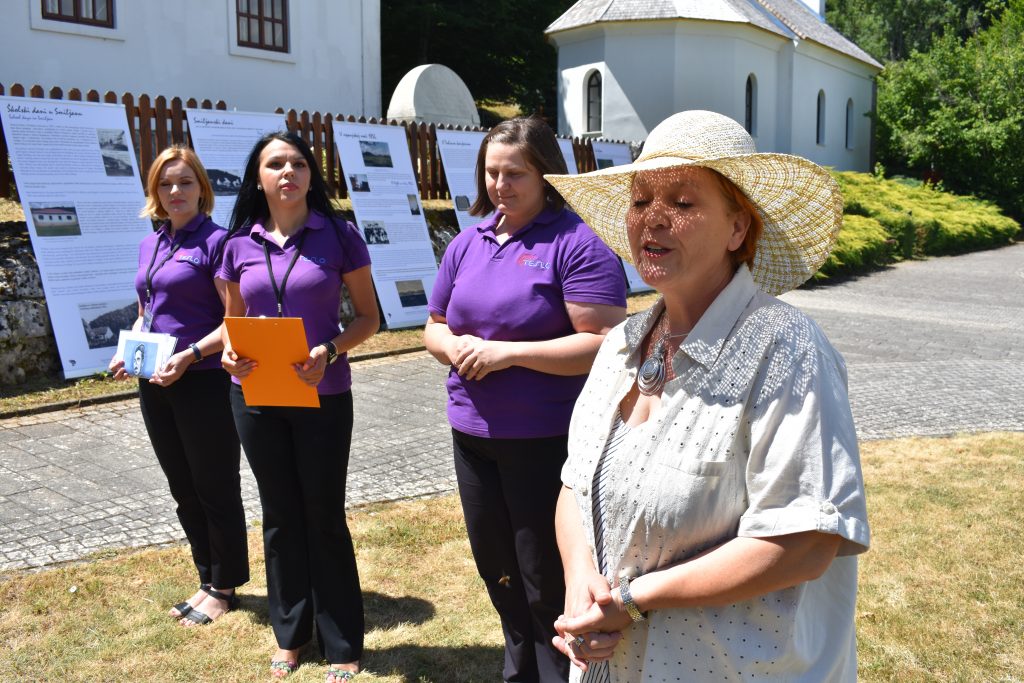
x: 933, y: 347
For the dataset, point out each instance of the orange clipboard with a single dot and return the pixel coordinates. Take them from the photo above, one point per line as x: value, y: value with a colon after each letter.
x: 276, y: 344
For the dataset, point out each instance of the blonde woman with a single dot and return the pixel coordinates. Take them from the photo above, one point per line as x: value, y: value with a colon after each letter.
x: 185, y: 405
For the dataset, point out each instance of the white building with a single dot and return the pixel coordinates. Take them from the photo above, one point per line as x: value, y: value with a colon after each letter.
x: 49, y: 217
x: 256, y: 55
x: 796, y: 84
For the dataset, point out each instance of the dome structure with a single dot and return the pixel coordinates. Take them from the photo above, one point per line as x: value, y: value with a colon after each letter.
x: 433, y: 93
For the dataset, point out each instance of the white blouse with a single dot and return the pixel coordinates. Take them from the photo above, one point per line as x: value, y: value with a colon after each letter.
x: 755, y: 438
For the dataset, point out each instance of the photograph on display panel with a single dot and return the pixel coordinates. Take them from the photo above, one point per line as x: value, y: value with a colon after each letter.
x: 116, y: 154
x: 376, y: 154
x: 414, y: 204
x: 55, y: 219
x: 358, y: 182
x: 375, y: 233
x: 225, y: 183
x: 101, y: 321
x: 411, y: 293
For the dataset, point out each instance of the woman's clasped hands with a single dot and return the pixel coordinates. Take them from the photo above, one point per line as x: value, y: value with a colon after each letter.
x: 592, y: 624
x: 475, y: 358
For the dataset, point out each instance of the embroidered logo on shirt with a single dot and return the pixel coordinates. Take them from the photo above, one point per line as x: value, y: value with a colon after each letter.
x: 194, y: 260
x: 314, y: 259
x: 531, y: 261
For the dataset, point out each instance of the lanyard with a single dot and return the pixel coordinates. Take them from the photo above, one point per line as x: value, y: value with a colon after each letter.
x: 279, y: 293
x: 151, y: 271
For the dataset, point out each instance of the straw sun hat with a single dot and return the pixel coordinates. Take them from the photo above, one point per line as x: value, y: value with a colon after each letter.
x: 799, y: 202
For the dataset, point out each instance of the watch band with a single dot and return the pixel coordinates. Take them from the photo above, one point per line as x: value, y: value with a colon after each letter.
x: 332, y: 351
x: 627, y: 600
x: 196, y: 352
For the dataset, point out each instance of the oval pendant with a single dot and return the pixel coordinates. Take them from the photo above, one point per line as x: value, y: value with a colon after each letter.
x: 652, y: 375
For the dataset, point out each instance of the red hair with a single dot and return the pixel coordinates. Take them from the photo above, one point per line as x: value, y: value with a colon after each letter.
x: 738, y: 202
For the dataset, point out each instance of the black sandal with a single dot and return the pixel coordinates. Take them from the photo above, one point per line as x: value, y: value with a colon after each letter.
x: 184, y: 607
x: 198, y: 617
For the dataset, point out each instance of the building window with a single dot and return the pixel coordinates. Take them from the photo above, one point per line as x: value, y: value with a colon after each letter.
x: 88, y: 12
x: 594, y: 102
x: 263, y: 24
x: 750, y: 111
x: 849, y: 124
x: 820, y: 135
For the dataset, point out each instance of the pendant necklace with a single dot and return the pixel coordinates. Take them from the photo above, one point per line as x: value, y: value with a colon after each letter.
x: 651, y: 377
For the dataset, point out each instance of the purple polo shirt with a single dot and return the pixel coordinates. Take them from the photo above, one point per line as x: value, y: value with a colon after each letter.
x: 185, y: 302
x: 313, y: 291
x: 517, y: 292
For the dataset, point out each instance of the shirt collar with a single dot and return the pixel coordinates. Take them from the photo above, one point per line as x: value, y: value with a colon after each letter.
x: 708, y: 336
x: 489, y: 225
x: 314, y: 221
x: 191, y: 226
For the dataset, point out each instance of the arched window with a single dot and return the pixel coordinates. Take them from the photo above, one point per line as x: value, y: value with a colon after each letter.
x: 820, y: 136
x: 594, y: 102
x: 750, y: 111
x: 849, y: 124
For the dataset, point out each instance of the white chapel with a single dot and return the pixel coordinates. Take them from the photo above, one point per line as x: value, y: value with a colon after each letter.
x: 775, y: 66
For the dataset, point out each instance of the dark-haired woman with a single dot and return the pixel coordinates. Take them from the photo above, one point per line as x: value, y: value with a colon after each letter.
x: 288, y: 255
x: 185, y: 403
x: 520, y: 306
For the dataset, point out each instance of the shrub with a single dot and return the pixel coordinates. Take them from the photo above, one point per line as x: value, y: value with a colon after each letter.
x: 923, y: 220
x: 863, y: 244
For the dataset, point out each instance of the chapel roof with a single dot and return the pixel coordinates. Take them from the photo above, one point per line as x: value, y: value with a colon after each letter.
x: 787, y: 18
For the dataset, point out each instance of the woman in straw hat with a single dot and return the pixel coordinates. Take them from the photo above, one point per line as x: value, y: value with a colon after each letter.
x: 713, y: 504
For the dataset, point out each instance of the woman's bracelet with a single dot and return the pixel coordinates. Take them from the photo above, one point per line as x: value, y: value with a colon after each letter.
x: 627, y: 600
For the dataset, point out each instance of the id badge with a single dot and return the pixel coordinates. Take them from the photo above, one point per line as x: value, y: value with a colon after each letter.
x: 147, y: 317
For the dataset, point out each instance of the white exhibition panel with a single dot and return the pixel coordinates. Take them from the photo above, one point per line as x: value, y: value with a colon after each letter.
x: 223, y: 140
x: 79, y: 186
x: 608, y: 154
x: 570, y: 156
x: 611, y: 154
x: 386, y: 202
x: 459, y: 150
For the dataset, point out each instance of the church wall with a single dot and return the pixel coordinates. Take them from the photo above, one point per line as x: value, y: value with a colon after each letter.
x: 841, y: 78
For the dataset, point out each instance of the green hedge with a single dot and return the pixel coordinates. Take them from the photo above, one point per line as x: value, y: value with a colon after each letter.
x: 891, y: 220
x: 863, y: 244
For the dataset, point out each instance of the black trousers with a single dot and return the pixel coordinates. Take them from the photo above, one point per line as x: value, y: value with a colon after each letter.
x: 509, y: 488
x: 300, y: 459
x: 193, y: 435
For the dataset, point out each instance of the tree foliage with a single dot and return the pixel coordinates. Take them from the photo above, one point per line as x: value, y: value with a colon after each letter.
x: 957, y: 112
x: 497, y: 47
x: 891, y: 30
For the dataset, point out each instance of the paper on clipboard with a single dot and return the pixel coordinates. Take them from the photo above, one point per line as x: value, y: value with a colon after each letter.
x: 276, y: 344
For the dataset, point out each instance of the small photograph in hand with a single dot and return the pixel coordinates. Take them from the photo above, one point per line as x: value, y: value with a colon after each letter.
x: 144, y: 352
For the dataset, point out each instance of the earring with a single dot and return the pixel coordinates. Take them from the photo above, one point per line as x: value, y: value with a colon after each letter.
x: 259, y: 188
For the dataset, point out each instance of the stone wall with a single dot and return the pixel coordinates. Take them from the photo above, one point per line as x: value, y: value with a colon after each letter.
x: 27, y: 346
x: 28, y: 349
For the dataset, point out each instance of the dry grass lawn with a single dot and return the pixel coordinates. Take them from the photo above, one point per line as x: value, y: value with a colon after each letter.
x: 942, y: 590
